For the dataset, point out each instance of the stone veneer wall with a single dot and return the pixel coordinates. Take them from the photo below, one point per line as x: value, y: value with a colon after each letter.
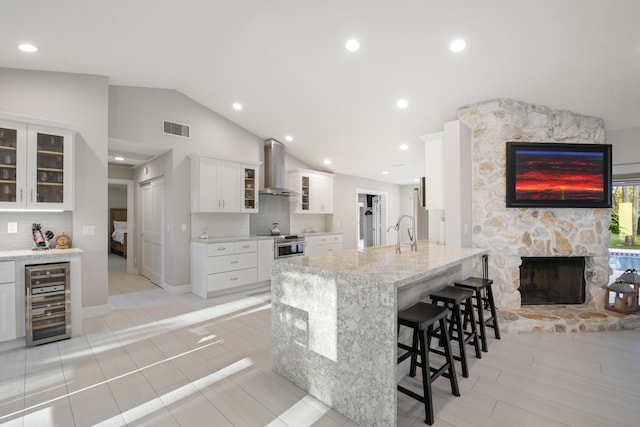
x: 512, y: 233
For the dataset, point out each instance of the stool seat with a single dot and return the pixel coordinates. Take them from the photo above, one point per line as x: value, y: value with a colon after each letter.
x: 421, y: 315
x: 423, y: 318
x: 475, y: 283
x: 452, y: 294
x: 454, y: 298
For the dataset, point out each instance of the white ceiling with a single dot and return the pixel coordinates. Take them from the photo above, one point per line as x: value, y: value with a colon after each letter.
x: 285, y: 61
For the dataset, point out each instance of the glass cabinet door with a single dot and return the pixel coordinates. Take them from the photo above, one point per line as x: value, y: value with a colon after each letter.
x: 50, y: 168
x: 12, y: 166
x: 250, y: 193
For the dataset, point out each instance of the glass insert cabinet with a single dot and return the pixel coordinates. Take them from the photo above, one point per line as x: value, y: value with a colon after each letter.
x: 35, y: 167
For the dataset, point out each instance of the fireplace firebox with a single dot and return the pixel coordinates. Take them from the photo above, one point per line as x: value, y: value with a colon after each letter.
x: 552, y: 280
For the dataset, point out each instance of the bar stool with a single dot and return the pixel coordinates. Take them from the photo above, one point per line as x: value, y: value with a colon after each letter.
x: 421, y: 318
x: 481, y: 286
x: 453, y: 298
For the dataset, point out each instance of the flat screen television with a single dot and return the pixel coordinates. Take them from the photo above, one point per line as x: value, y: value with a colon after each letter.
x: 558, y: 175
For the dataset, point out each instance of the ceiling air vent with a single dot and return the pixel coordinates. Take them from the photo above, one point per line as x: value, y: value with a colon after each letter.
x: 176, y: 129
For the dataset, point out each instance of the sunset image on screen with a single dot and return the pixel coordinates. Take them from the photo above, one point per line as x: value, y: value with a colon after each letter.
x: 559, y: 175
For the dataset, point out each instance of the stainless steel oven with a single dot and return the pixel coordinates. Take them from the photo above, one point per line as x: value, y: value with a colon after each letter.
x: 288, y: 246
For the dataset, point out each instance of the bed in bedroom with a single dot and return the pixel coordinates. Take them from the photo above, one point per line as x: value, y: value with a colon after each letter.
x: 118, y: 225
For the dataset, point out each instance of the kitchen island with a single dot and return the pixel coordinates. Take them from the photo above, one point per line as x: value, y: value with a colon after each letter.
x: 334, y: 320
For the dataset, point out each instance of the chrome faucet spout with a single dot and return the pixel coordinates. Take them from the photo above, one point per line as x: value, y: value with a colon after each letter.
x: 412, y: 233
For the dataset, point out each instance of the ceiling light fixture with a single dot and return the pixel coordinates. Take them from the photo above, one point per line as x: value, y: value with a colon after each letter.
x: 352, y: 45
x: 385, y: 172
x: 327, y: 161
x: 404, y: 147
x: 118, y: 158
x: 237, y: 106
x: 457, y: 45
x: 288, y: 138
x: 402, y: 103
x: 27, y: 47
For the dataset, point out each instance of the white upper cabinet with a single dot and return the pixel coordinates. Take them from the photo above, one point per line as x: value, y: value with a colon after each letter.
x: 316, y: 191
x: 222, y: 186
x: 36, y: 167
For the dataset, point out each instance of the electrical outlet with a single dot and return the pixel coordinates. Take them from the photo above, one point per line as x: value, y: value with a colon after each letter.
x: 12, y: 227
x: 183, y: 227
x: 88, y: 230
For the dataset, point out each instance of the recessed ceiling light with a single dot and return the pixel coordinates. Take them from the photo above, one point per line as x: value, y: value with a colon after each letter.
x: 352, y: 45
x: 27, y: 47
x: 416, y: 179
x: 288, y: 138
x: 404, y: 147
x: 402, y: 103
x: 457, y: 45
x: 237, y: 106
x: 327, y: 161
x: 118, y: 158
x: 385, y: 172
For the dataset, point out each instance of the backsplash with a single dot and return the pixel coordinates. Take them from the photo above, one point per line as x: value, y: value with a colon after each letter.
x: 57, y: 222
x: 272, y: 209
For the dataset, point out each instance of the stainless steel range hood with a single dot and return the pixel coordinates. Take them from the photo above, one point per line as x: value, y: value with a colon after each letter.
x: 274, y: 173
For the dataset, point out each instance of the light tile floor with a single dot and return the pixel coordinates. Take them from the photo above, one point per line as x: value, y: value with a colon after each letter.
x: 162, y: 360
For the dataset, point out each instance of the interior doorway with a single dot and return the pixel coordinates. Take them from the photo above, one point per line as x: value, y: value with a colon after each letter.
x: 152, y: 210
x: 121, y: 196
x: 371, y: 212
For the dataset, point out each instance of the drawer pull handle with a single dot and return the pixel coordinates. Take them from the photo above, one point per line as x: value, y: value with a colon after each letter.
x: 234, y: 262
x: 221, y: 249
x: 234, y: 278
x: 245, y: 247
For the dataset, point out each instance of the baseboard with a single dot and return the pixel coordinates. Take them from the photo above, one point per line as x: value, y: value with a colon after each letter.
x: 95, y: 311
x: 176, y: 289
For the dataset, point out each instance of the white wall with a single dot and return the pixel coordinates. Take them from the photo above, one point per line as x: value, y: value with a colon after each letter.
x: 136, y: 114
x: 626, y: 150
x: 81, y: 100
x: 345, y: 207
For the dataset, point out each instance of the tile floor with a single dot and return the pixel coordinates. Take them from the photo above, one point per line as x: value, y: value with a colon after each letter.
x: 162, y: 360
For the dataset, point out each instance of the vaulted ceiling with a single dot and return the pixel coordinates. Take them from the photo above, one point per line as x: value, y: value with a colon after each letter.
x: 285, y: 61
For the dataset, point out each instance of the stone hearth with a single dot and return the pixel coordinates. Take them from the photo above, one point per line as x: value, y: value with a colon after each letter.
x: 564, y: 319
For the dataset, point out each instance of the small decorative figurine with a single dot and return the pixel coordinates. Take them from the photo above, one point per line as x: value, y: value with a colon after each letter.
x: 63, y: 242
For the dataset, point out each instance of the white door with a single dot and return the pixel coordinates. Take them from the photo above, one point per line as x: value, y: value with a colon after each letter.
x: 377, y: 221
x: 152, y: 230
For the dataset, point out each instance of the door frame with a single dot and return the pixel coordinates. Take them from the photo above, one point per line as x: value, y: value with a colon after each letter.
x: 131, y: 224
x: 384, y: 213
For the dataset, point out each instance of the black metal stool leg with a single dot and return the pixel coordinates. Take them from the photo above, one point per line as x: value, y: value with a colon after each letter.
x: 426, y: 382
x: 456, y: 326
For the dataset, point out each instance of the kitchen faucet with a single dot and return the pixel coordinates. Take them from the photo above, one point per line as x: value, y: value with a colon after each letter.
x: 411, y: 231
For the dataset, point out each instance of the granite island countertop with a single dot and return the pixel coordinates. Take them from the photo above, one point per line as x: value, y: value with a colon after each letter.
x: 334, y: 321
x: 383, y: 263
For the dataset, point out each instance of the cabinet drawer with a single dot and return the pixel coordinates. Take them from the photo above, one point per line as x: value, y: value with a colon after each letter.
x: 336, y: 238
x: 7, y: 272
x: 219, y: 264
x: 332, y: 247
x: 244, y: 247
x: 232, y: 279
x: 216, y: 249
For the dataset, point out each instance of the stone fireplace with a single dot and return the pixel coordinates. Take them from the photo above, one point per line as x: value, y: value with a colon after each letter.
x: 510, y: 234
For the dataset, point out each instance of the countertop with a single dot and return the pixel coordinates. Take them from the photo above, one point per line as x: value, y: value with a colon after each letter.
x: 256, y: 237
x: 383, y: 263
x: 29, y: 254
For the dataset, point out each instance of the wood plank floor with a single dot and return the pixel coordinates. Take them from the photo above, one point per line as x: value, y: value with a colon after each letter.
x: 162, y: 360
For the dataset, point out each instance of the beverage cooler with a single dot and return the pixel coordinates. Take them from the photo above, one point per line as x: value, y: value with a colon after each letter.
x: 48, y: 302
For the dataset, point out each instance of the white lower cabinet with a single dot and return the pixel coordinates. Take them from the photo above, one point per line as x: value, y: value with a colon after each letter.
x: 265, y: 259
x: 222, y: 266
x: 7, y: 301
x: 315, y: 245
